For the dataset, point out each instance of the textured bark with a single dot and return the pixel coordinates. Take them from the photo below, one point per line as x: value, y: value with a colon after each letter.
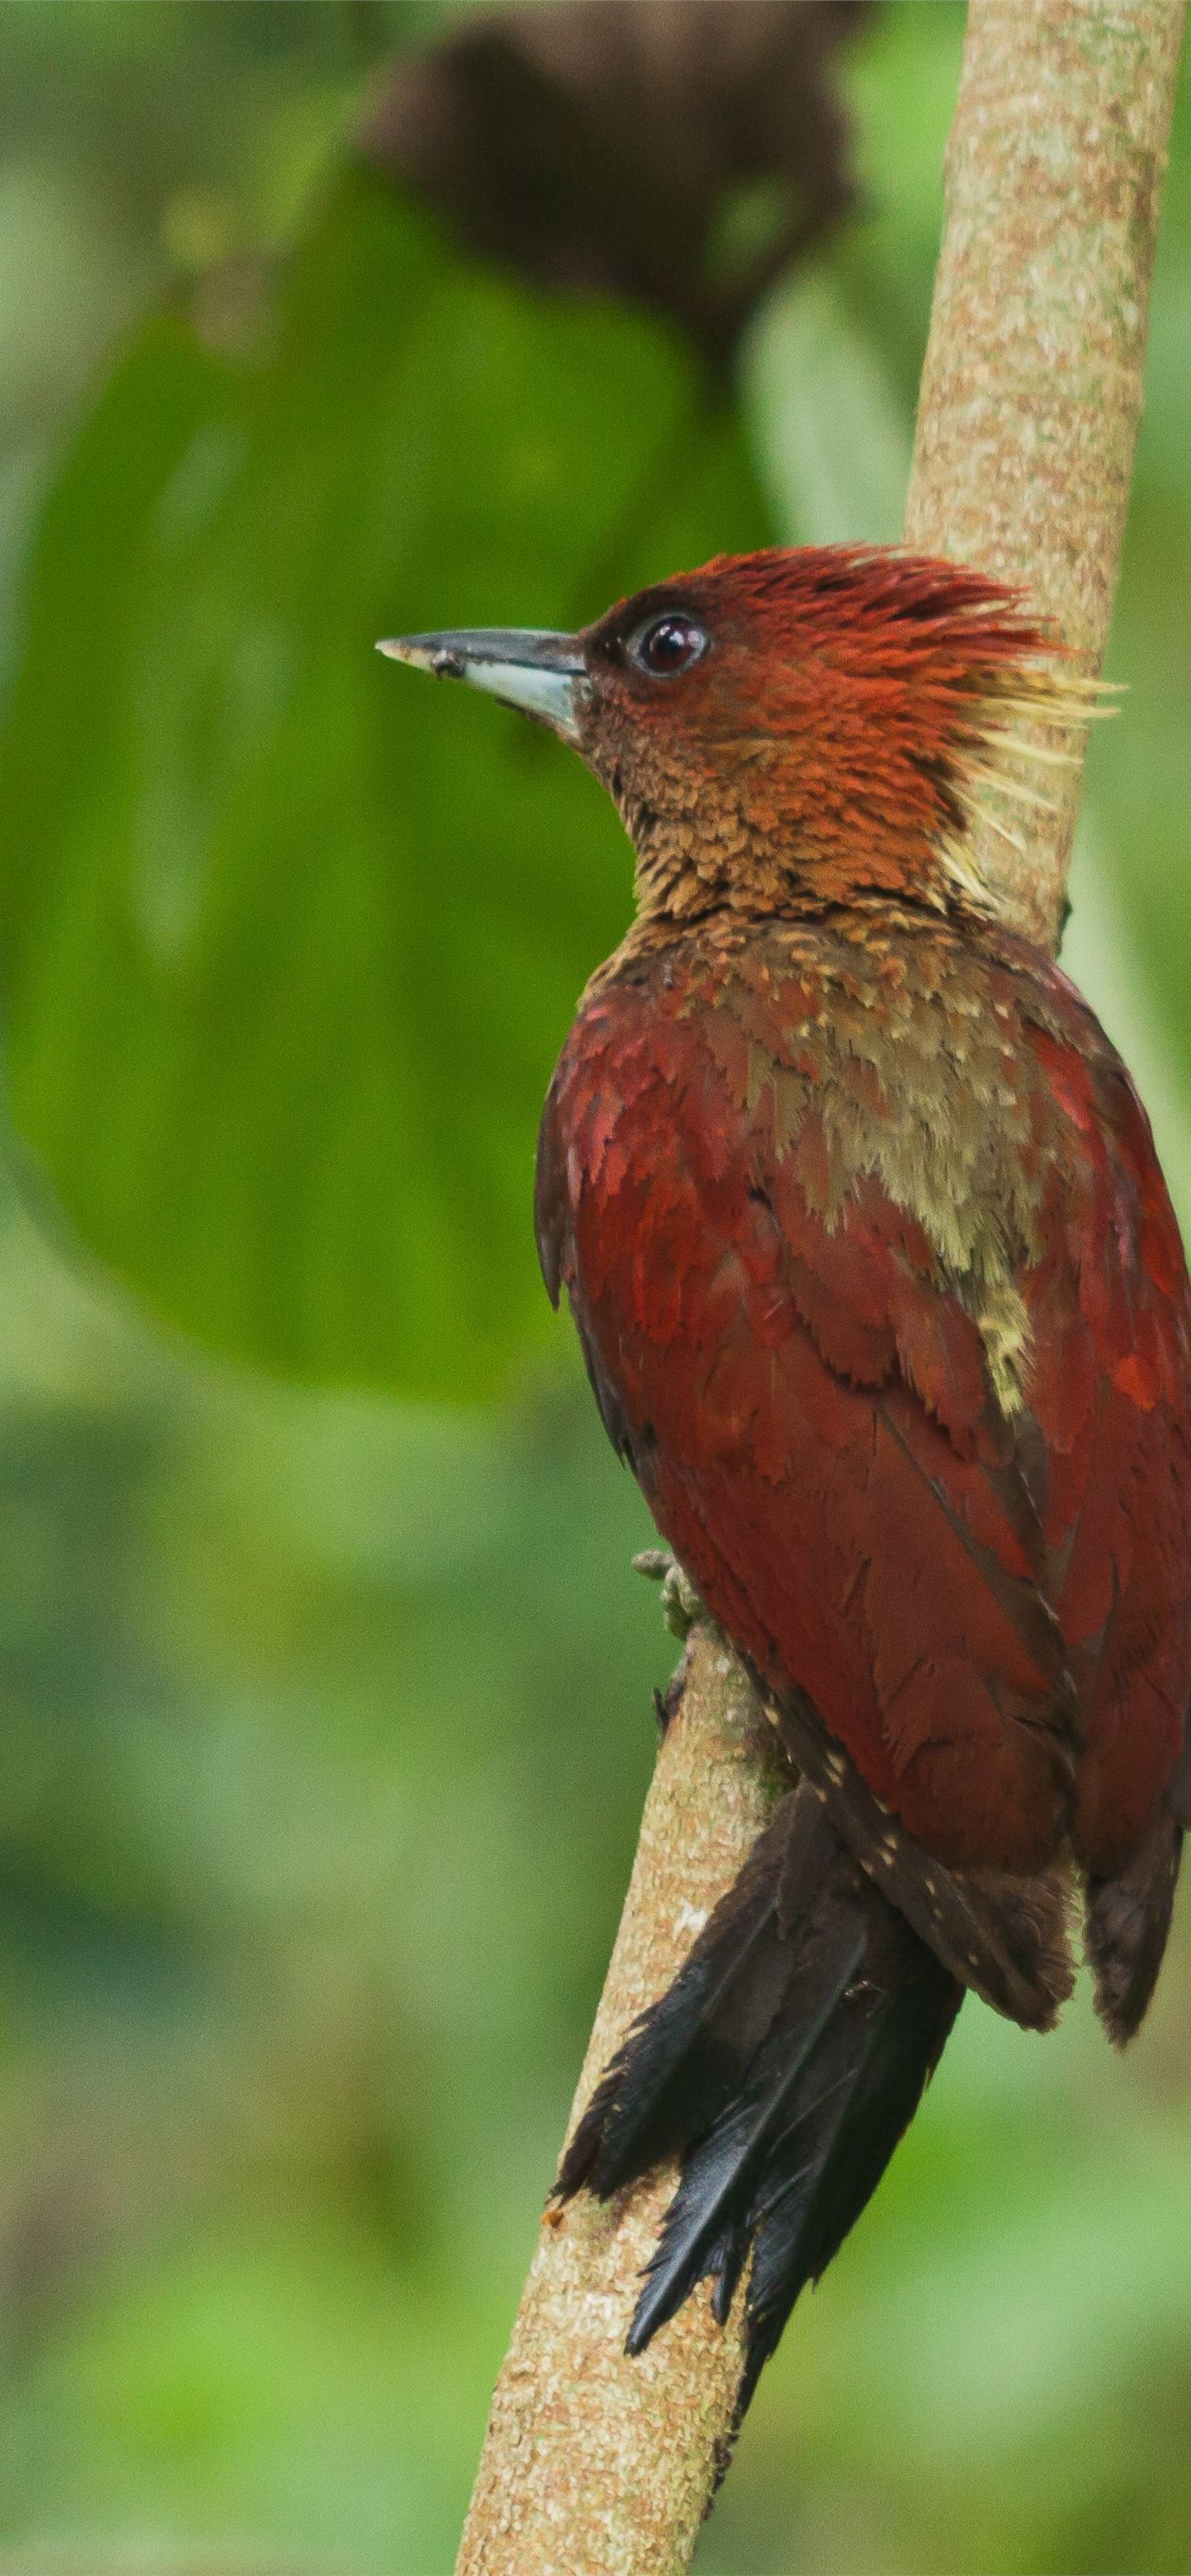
x: 1032, y: 389
x: 1030, y: 403
x: 593, y: 2461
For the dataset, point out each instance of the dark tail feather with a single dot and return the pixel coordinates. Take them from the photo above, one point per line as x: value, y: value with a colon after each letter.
x: 1126, y: 1922
x: 783, y: 2065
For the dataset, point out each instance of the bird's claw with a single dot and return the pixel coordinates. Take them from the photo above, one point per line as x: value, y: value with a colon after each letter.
x: 681, y: 1605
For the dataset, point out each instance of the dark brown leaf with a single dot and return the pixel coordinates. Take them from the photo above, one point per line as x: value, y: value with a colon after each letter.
x: 673, y: 151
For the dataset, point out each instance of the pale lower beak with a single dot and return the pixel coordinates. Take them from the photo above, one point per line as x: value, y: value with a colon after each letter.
x: 526, y: 666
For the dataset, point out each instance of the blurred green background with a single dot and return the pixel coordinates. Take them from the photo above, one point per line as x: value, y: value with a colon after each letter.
x: 325, y: 1683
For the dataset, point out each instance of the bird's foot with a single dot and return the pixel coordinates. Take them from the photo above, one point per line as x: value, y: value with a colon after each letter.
x: 681, y: 1605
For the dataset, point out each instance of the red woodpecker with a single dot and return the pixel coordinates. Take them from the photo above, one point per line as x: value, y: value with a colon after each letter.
x: 883, y: 1300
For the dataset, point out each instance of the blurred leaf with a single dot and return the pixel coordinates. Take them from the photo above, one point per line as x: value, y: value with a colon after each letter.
x: 291, y: 938
x: 832, y: 437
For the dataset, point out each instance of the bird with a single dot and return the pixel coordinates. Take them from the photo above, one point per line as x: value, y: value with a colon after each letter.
x: 883, y: 1301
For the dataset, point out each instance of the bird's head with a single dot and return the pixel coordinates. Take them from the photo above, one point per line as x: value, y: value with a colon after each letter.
x: 794, y: 727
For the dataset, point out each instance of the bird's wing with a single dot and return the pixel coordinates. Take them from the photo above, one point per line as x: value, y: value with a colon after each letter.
x: 1108, y: 1303
x: 806, y: 1400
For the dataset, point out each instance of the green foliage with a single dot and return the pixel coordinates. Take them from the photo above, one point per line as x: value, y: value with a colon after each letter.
x: 291, y: 940
x: 324, y: 1722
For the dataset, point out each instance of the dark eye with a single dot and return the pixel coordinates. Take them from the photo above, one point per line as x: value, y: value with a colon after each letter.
x: 666, y: 646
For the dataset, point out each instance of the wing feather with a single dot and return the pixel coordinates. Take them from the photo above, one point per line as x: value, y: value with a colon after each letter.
x: 975, y: 1597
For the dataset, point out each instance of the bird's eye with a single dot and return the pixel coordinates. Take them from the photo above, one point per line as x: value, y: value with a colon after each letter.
x: 666, y: 646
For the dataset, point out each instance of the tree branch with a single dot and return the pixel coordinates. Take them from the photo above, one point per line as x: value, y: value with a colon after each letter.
x: 1031, y: 398
x: 1032, y: 388
x: 593, y: 2461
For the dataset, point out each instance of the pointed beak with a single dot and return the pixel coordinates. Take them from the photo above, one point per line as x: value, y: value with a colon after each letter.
x: 525, y: 666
